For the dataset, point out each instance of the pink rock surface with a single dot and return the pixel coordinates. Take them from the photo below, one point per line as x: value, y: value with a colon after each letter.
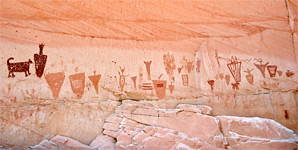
x: 160, y: 138
x: 252, y: 133
x: 38, y: 123
x: 216, y: 54
x: 205, y: 110
x: 133, y: 116
x: 58, y: 143
x: 164, y: 131
x: 123, y: 131
x: 103, y: 142
x: 67, y: 143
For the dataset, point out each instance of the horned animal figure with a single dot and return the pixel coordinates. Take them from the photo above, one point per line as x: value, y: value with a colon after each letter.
x: 18, y: 67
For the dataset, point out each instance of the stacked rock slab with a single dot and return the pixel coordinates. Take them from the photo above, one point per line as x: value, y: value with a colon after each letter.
x: 101, y: 142
x: 257, y: 133
x: 136, y: 126
x: 139, y: 126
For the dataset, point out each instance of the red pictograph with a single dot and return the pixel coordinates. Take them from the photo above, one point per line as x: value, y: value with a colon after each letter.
x: 262, y: 67
x: 95, y: 80
x: 77, y: 83
x: 211, y: 83
x: 289, y: 73
x: 234, y: 65
x: 55, y: 81
x: 198, y: 66
x: 249, y: 77
x: 148, y: 63
x: 272, y: 70
x: 185, y: 80
x: 121, y: 78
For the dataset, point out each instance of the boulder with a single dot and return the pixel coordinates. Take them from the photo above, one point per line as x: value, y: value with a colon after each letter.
x: 61, y: 143
x: 257, y: 133
x: 103, y: 142
x: 131, y: 117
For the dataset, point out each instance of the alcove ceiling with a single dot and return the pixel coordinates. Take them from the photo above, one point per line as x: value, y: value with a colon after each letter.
x: 33, y: 21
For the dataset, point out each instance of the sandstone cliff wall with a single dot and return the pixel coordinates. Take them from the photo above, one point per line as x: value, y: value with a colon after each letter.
x: 239, y: 57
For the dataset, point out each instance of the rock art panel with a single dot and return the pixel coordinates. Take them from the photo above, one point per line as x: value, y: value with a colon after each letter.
x: 18, y: 67
x: 77, y: 83
x: 55, y: 81
x: 40, y: 61
x: 95, y: 79
x: 251, y: 29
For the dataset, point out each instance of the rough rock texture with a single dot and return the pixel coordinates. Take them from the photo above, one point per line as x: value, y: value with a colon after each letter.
x: 293, y: 22
x: 35, y: 123
x: 58, y: 142
x: 134, y: 116
x: 65, y: 65
x: 256, y: 133
x: 187, y: 128
x: 103, y: 142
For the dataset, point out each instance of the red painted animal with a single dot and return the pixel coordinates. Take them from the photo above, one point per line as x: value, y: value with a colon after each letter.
x: 18, y: 67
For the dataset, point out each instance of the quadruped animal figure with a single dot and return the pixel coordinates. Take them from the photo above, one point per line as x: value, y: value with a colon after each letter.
x: 18, y: 67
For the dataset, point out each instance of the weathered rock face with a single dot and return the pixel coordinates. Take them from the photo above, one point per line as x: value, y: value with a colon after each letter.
x: 33, y: 124
x: 67, y: 62
x: 184, y: 128
x: 103, y: 142
x: 257, y: 133
x: 61, y: 142
x: 134, y: 117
